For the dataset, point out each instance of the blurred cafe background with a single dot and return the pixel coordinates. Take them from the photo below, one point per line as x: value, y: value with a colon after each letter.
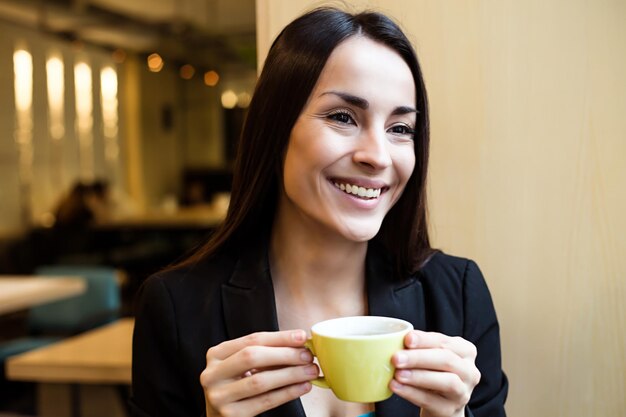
x: 118, y: 125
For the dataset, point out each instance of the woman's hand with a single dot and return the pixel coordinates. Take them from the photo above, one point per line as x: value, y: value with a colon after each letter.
x: 436, y: 372
x: 252, y: 374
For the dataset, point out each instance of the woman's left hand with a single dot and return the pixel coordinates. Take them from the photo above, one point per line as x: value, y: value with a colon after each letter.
x: 435, y: 372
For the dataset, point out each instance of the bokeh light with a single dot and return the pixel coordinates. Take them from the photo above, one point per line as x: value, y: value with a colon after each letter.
x: 155, y: 62
x: 211, y: 78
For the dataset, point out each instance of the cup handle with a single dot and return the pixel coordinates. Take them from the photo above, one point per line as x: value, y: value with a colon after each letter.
x: 319, y: 381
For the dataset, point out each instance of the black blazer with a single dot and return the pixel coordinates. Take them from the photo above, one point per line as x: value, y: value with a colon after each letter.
x: 181, y: 313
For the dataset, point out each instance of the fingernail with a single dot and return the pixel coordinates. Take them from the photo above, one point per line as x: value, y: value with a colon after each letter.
x: 305, y: 387
x: 403, y: 375
x: 311, y: 370
x: 401, y: 359
x: 306, y: 356
x: 412, y: 340
x: 298, y: 336
x: 395, y: 385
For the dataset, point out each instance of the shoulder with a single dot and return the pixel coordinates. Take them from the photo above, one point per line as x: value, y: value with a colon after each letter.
x: 455, y: 291
x: 186, y: 286
x: 202, y: 274
x: 444, y: 264
x: 442, y: 269
x: 180, y: 307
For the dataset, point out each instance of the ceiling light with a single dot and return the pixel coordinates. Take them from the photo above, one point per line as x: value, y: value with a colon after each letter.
x: 187, y: 71
x: 211, y: 78
x: 155, y: 62
x: 229, y: 99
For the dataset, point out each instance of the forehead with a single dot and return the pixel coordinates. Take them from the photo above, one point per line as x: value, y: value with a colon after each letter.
x: 368, y: 69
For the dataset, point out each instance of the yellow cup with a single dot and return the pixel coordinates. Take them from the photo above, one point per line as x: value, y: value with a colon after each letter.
x: 355, y: 355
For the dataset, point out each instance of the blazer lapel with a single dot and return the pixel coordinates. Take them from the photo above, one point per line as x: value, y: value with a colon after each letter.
x: 392, y: 298
x: 249, y: 306
x: 248, y: 297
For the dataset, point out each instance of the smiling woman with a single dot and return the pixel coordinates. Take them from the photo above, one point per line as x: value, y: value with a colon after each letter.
x: 327, y: 219
x: 354, y: 136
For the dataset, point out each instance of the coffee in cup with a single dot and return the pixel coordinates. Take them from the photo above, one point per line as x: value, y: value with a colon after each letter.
x: 355, y: 353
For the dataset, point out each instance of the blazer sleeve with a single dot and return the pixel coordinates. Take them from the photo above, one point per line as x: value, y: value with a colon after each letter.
x: 158, y: 386
x: 481, y: 328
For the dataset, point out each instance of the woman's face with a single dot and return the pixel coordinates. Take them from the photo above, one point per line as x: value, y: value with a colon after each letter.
x: 350, y: 153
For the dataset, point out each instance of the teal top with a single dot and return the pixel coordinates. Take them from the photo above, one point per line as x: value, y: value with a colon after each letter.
x: 368, y: 415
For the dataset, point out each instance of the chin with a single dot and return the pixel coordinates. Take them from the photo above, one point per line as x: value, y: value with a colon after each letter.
x: 361, y: 234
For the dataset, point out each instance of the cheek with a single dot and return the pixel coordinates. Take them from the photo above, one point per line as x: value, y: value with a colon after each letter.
x: 301, y: 167
x: 309, y: 156
x: 405, y: 164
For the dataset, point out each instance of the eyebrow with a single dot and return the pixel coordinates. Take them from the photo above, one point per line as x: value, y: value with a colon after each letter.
x: 349, y: 98
x: 364, y: 104
x: 399, y: 111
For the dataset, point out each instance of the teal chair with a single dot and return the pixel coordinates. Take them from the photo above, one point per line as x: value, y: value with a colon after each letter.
x: 48, y: 323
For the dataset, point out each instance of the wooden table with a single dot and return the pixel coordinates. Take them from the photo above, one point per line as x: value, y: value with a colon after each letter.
x: 96, y: 360
x: 22, y: 292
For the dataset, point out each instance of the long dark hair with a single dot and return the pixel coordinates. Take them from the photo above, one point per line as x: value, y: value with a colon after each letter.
x: 291, y: 70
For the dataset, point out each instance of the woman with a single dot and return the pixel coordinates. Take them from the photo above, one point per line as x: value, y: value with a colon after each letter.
x: 327, y: 219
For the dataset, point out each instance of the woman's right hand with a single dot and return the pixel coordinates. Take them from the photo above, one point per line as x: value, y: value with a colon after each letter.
x: 255, y: 373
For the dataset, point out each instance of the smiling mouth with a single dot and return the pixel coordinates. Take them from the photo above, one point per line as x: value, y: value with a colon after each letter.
x: 360, y: 192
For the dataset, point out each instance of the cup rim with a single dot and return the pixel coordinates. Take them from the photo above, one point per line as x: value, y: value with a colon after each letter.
x: 317, y: 328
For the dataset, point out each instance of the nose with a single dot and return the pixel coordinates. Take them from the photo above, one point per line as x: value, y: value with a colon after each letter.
x: 372, y: 149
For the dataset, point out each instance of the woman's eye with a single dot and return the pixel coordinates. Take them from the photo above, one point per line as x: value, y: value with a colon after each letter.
x: 402, y: 130
x: 341, y: 117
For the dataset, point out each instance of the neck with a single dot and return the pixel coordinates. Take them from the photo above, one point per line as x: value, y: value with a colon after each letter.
x: 316, y: 275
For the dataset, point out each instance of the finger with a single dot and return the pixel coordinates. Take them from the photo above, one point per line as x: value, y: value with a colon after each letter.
x: 257, y: 358
x: 262, y: 382
x: 446, y: 384
x: 442, y: 360
x: 257, y: 405
x: 293, y: 338
x: 427, y: 400
x: 425, y: 340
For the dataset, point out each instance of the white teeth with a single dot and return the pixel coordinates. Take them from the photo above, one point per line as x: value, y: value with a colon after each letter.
x: 359, y: 191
